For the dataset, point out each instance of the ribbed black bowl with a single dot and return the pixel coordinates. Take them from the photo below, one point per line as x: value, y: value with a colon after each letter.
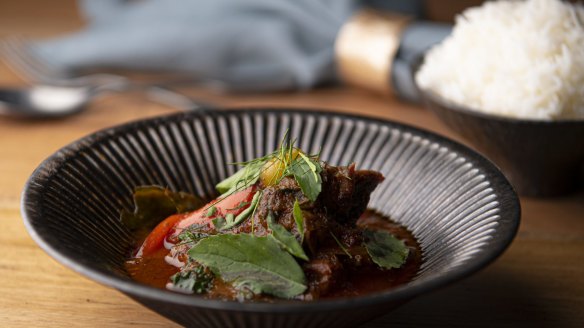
x: 458, y: 205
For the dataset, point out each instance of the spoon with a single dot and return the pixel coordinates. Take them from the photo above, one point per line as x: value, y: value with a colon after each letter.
x: 54, y: 101
x: 44, y: 101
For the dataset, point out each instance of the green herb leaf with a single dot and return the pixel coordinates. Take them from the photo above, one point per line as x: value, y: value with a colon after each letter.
x: 255, y: 262
x: 223, y: 186
x: 219, y: 223
x: 299, y: 219
x: 230, y: 221
x: 211, y: 211
x: 285, y: 239
x: 153, y: 204
x: 312, y: 165
x: 385, y: 250
x: 242, y: 179
x: 193, y: 234
x: 197, y: 280
x: 306, y: 172
x: 240, y: 206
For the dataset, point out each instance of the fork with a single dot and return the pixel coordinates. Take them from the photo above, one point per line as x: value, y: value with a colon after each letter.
x: 24, y: 63
x: 20, y: 59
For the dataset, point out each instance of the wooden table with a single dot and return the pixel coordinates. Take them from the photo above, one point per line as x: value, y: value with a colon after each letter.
x: 538, y: 282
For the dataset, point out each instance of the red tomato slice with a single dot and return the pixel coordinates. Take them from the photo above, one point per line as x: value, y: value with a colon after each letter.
x: 155, y: 239
x: 230, y: 204
x: 175, y: 224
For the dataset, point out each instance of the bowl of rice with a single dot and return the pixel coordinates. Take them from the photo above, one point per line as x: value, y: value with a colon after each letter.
x: 510, y: 79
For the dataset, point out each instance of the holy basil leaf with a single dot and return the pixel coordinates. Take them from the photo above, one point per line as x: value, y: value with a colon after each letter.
x: 285, y: 239
x: 197, y: 280
x: 299, y: 219
x: 153, y: 204
x: 256, y: 262
x: 242, y: 179
x: 385, y: 250
x: 245, y: 289
x: 306, y: 172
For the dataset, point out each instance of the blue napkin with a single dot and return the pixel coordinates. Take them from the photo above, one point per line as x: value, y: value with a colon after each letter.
x: 248, y: 45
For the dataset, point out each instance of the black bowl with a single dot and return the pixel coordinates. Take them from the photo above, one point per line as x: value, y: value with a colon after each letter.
x: 459, y: 206
x: 540, y: 158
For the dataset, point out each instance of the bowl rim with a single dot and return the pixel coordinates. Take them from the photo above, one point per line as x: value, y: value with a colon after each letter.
x: 508, y: 225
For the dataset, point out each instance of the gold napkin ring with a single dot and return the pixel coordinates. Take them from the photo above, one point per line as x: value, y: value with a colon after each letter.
x: 365, y: 48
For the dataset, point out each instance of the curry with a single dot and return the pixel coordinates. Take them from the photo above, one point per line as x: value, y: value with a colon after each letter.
x: 286, y: 225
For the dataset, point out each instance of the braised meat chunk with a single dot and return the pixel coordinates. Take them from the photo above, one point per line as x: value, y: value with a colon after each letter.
x: 346, y: 191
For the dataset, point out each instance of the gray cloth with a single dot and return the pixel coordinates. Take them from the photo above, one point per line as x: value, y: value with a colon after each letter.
x: 248, y: 45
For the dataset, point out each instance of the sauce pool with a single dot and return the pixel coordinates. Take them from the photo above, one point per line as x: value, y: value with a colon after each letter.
x: 154, y: 270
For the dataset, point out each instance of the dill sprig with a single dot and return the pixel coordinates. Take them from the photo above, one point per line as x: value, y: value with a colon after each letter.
x: 305, y: 168
x: 341, y: 245
x: 286, y: 163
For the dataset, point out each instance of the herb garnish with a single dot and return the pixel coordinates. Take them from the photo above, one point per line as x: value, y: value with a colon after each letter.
x: 198, y: 280
x: 287, y: 160
x: 306, y: 172
x: 298, y: 219
x: 193, y: 234
x: 261, y: 264
x: 211, y: 211
x: 255, y: 263
x: 245, y: 177
x: 343, y: 248
x: 385, y: 250
x: 239, y: 206
x: 285, y: 239
x: 230, y: 221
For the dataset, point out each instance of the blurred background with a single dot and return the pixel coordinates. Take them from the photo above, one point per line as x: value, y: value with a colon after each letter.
x: 538, y: 282
x: 248, y: 47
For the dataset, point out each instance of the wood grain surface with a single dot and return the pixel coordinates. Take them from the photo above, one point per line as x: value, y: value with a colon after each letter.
x: 538, y: 282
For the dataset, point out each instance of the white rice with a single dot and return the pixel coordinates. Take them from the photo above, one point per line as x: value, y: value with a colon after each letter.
x: 521, y: 59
